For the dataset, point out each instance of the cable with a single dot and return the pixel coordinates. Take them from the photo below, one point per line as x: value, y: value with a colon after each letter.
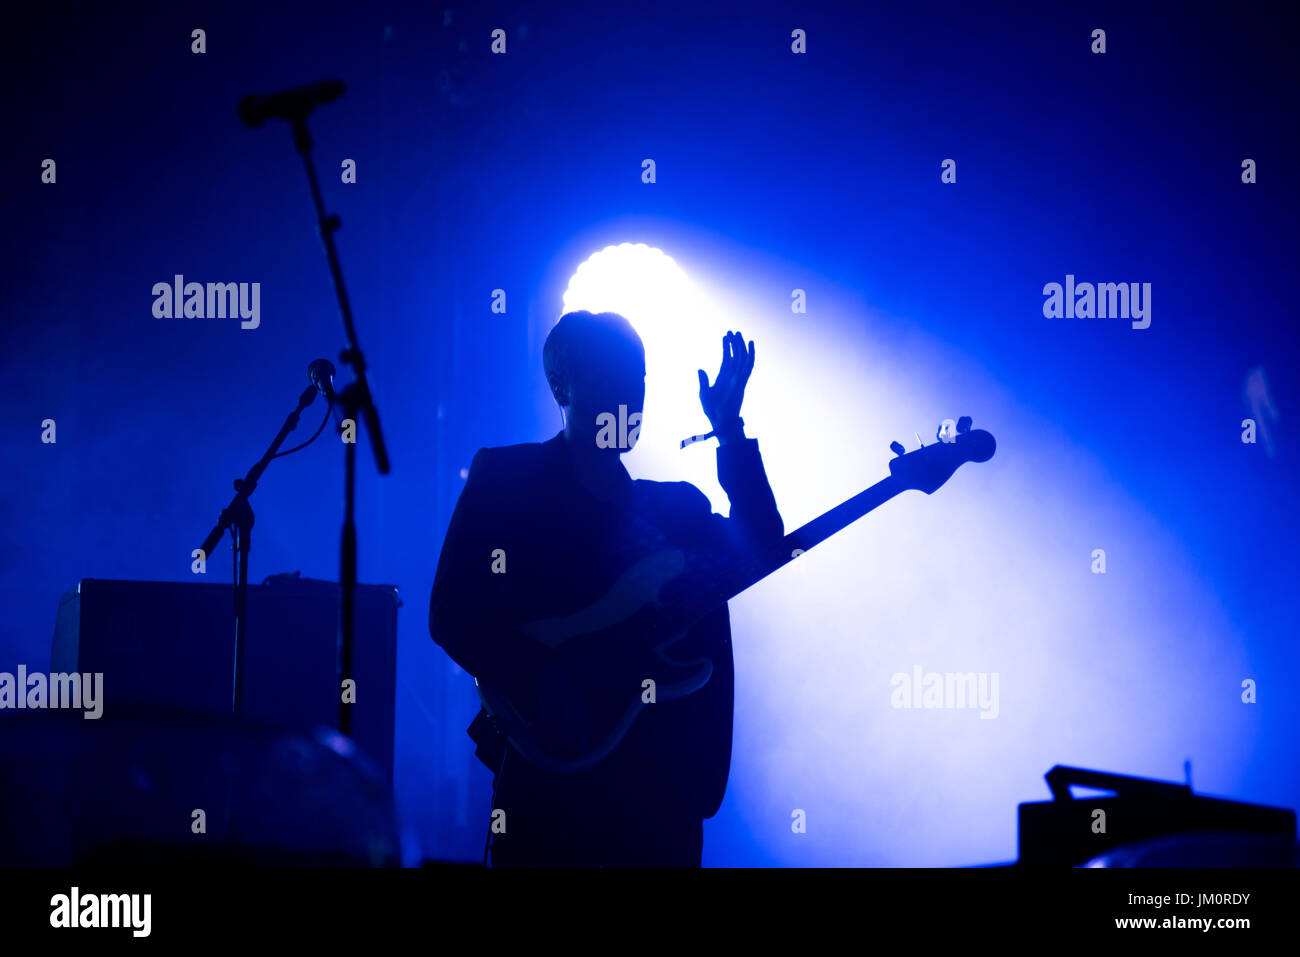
x: 328, y: 409
x: 496, y: 784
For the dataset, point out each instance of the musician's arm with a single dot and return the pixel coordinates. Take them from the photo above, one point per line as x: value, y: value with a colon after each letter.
x: 743, y: 478
x: 740, y: 467
x: 470, y: 608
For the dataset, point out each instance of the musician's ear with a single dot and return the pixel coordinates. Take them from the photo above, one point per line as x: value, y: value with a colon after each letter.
x: 558, y: 389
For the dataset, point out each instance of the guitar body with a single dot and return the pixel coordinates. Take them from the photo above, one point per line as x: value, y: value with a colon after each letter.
x: 609, y: 662
x: 625, y: 653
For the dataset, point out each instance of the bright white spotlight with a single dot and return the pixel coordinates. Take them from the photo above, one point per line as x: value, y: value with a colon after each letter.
x: 637, y: 281
x: 680, y: 333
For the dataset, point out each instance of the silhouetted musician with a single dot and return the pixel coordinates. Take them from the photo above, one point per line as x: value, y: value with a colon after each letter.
x: 544, y: 530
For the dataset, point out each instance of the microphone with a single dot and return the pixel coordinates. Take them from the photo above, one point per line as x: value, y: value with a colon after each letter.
x: 293, y: 104
x: 320, y: 373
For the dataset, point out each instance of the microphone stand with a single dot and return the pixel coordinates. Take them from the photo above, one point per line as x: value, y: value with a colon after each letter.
x: 354, y: 399
x: 238, y: 517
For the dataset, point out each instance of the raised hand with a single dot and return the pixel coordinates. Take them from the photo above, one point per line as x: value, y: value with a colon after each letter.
x: 721, y: 401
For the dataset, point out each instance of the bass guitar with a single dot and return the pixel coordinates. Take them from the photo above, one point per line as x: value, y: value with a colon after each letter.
x: 615, y: 658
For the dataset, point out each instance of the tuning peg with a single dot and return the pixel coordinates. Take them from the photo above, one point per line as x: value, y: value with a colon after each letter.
x: 963, y: 425
x: 897, y: 448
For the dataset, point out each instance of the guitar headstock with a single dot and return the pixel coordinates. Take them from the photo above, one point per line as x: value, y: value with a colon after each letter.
x: 929, y: 467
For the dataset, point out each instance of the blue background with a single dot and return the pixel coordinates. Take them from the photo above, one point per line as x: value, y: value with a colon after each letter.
x: 774, y: 172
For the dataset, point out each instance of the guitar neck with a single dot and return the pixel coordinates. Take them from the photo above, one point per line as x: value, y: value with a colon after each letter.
x: 823, y: 527
x: 722, y: 582
x: 843, y: 515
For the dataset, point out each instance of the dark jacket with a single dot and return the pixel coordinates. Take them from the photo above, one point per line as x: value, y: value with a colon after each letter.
x: 562, y: 549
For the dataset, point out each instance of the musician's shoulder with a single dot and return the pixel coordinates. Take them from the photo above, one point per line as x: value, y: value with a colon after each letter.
x: 509, y: 456
x: 681, y: 496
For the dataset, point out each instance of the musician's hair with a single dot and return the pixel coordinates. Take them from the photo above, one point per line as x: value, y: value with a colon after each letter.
x: 582, y: 340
